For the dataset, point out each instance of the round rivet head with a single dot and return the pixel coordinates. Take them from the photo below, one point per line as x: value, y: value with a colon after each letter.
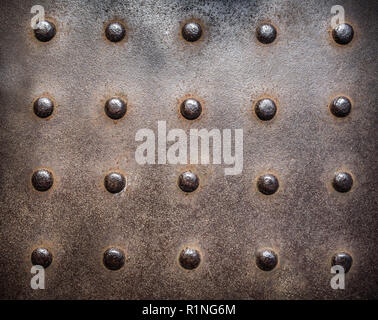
x: 342, y: 182
x: 43, y: 107
x: 115, y: 108
x: 340, y: 107
x: 114, y: 259
x: 41, y: 257
x: 343, y: 33
x: 114, y: 182
x: 188, y: 181
x: 191, y: 31
x: 266, y: 260
x: 267, y: 184
x: 342, y: 259
x: 189, y: 258
x: 266, y: 33
x: 44, y: 31
x: 42, y: 180
x: 265, y: 109
x: 115, y: 32
x: 191, y: 109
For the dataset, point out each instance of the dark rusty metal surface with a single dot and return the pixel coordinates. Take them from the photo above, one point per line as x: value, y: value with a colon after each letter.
x: 226, y: 219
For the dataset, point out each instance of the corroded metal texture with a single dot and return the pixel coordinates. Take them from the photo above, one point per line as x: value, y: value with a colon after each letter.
x: 226, y: 221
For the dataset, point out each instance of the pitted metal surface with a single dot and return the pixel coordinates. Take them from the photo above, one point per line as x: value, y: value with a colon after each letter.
x: 226, y: 221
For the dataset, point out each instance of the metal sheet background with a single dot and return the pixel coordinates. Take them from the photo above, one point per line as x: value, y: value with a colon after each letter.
x: 306, y: 222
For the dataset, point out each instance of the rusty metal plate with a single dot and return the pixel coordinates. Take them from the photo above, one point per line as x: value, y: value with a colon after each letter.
x: 226, y: 219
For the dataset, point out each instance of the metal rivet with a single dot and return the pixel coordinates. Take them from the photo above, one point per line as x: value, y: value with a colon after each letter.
x: 266, y: 260
x: 44, y: 31
x: 41, y: 257
x: 266, y: 33
x: 188, y: 181
x: 267, y: 184
x: 189, y: 258
x: 43, y: 107
x: 265, y: 109
x: 342, y: 182
x: 191, y: 109
x: 340, y: 107
x: 343, y: 33
x: 114, y: 182
x: 115, y: 108
x: 42, y: 180
x: 114, y: 259
x: 342, y: 259
x: 115, y: 32
x: 192, y: 31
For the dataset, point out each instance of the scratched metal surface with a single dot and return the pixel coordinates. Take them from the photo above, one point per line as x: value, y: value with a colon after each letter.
x: 227, y: 219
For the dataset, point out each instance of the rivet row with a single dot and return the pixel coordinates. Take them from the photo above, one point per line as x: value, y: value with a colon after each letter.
x: 115, y: 182
x: 192, y: 31
x: 265, y: 109
x: 189, y: 258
